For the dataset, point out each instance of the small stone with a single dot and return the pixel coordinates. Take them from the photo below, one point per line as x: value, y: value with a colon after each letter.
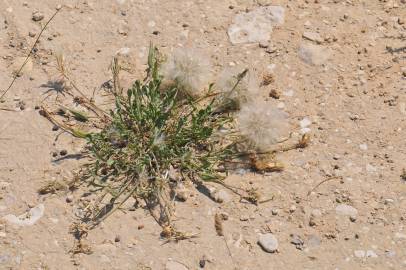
x: 292, y: 209
x: 390, y: 253
x: 305, y: 122
x: 346, y: 210
x: 370, y: 169
x: 63, y: 152
x: 313, y: 36
x: 313, y: 54
x: 389, y: 201
x: 268, y: 242
x: 181, y: 193
x: 27, y: 219
x: 400, y: 236
x: 202, y: 263
x: 117, y: 238
x: 123, y: 28
x: 31, y: 34
x: 58, y: 7
x: 37, y: 16
x: 359, y: 253
x: 220, y: 196
x: 275, y: 212
x: 371, y: 254
x: 297, y: 241
x: 363, y: 146
x: 244, y: 218
x: 173, y: 265
x: 69, y: 198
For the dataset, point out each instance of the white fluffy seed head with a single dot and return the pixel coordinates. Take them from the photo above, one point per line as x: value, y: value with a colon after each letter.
x: 189, y: 70
x: 246, y: 90
x: 262, y: 124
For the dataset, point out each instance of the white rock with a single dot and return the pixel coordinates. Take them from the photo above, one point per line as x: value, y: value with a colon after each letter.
x: 256, y: 25
x: 363, y: 146
x: 268, y: 242
x: 313, y: 54
x: 173, y: 265
x: 346, y: 210
x: 27, y: 219
x: 305, y: 122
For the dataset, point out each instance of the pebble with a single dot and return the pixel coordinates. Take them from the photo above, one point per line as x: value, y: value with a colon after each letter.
x: 123, y: 28
x: 371, y: 254
x: 313, y: 36
x: 346, y: 210
x: 400, y: 236
x: 117, y: 238
x: 256, y: 25
x: 313, y: 54
x: 390, y: 253
x: 297, y: 241
x: 173, y: 265
x: 220, y: 196
x: 359, y: 253
x: 268, y: 242
x: 69, y: 198
x: 27, y: 219
x: 37, y: 16
x: 244, y: 218
x: 363, y: 146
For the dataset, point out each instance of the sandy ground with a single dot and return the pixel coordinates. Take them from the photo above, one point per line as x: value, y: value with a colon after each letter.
x: 355, y: 101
